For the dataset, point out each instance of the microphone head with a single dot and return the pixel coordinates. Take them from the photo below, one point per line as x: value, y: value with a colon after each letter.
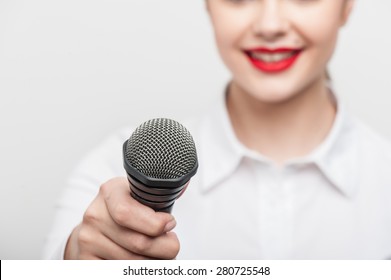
x: 160, y: 157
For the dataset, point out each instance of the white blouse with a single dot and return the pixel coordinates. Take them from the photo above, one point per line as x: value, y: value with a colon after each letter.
x: 334, y: 203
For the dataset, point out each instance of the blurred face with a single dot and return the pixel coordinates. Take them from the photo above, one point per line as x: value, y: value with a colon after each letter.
x: 276, y: 49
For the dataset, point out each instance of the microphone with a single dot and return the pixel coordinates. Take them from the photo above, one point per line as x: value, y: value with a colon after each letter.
x: 160, y: 157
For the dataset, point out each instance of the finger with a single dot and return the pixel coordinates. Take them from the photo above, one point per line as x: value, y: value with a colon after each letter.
x: 109, y: 250
x: 129, y: 213
x: 86, y: 244
x: 165, y: 246
x: 95, y: 235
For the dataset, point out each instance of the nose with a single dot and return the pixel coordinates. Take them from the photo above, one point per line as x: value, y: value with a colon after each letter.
x: 270, y: 21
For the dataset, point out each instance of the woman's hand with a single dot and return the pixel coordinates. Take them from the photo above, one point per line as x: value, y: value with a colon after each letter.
x: 116, y: 226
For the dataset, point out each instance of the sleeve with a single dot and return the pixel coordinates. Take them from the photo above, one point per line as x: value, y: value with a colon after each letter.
x: 99, y: 166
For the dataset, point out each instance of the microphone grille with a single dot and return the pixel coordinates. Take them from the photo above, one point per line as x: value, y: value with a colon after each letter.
x: 161, y: 149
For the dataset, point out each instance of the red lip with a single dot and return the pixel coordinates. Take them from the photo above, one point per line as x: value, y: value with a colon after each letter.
x: 273, y: 66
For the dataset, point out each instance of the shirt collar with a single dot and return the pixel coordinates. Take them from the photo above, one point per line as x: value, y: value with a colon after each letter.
x: 337, y: 156
x: 221, y: 152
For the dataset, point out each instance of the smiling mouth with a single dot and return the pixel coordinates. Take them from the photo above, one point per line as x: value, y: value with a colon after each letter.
x: 272, y: 57
x: 277, y: 60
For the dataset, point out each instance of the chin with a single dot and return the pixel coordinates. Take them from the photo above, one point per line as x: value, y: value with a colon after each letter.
x: 273, y: 95
x: 274, y: 98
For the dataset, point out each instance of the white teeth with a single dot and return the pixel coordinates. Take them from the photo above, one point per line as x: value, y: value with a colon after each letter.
x: 275, y: 57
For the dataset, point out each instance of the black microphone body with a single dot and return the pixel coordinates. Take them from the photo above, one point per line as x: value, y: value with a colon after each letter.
x: 159, y: 158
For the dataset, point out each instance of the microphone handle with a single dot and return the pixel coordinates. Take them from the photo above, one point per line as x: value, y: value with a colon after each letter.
x: 159, y: 199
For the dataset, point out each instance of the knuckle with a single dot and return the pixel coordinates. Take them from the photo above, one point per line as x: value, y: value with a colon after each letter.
x: 111, y: 185
x: 90, y: 216
x: 140, y: 244
x: 104, y: 189
x: 157, y: 227
x: 121, y: 214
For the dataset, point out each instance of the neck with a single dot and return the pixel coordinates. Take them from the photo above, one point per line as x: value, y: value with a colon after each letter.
x: 285, y: 130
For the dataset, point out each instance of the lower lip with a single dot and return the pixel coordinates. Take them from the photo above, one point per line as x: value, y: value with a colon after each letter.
x: 274, y: 67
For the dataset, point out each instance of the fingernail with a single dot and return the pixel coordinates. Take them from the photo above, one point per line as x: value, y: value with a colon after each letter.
x: 170, y: 225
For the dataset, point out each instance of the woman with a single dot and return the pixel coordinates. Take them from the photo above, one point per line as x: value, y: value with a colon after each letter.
x: 285, y: 172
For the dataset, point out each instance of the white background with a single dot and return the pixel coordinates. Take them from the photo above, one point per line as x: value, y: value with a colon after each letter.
x: 73, y: 71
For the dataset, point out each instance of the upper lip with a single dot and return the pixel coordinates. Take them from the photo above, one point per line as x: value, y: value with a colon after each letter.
x: 274, y: 50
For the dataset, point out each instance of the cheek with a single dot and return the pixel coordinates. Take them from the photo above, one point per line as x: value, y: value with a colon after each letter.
x: 320, y: 37
x: 228, y: 34
x: 227, y: 41
x: 230, y: 28
x: 319, y: 26
x: 322, y: 34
